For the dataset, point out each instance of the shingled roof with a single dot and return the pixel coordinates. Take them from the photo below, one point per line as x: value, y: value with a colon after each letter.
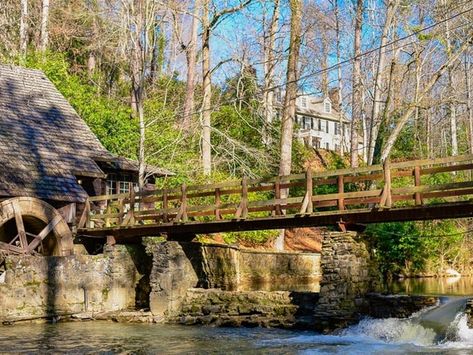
x: 44, y: 144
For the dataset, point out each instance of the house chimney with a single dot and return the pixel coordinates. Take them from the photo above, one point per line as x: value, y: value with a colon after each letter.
x: 333, y: 95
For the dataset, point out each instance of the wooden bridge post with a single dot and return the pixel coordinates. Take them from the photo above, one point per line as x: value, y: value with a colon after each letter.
x: 184, y: 202
x: 309, y: 186
x: 417, y: 183
x: 165, y: 206
x: 386, y: 200
x: 341, y: 191
x: 244, y: 196
x: 131, y: 220
x: 277, y: 195
x: 218, y: 216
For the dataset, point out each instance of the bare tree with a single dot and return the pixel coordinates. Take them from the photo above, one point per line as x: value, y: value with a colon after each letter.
x: 44, y: 26
x: 191, y: 56
x: 289, y: 109
x: 269, y: 67
x: 357, y: 95
x: 207, y: 26
x: 410, y: 110
x: 468, y: 101
x: 23, y: 29
x: 376, y: 109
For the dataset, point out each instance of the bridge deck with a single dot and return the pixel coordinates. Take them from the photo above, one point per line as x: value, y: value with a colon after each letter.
x: 404, y: 191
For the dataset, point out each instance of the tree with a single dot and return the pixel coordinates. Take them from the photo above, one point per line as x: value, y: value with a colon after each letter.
x: 269, y: 43
x: 191, y: 57
x: 411, y: 108
x: 374, y: 123
x: 207, y: 26
x: 289, y: 108
x: 23, y: 29
x: 44, y: 26
x: 357, y: 95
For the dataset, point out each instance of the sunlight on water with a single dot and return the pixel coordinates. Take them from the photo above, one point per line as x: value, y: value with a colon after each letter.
x: 370, y: 336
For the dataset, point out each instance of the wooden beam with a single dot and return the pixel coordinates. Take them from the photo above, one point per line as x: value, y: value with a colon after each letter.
x: 44, y: 233
x: 20, y: 227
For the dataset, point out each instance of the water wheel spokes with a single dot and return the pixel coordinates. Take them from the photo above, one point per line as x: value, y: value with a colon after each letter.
x: 31, y: 226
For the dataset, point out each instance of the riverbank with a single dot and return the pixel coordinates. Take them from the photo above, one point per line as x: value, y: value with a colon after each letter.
x: 202, y: 284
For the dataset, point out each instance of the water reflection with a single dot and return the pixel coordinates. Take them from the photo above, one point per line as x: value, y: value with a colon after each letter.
x: 452, y: 286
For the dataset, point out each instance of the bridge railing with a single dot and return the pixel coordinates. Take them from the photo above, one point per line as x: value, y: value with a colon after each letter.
x: 389, y: 185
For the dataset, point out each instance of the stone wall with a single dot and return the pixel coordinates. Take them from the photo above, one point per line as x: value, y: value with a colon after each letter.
x: 35, y: 287
x: 270, y: 271
x: 178, y: 266
x: 248, y: 308
x: 348, y: 274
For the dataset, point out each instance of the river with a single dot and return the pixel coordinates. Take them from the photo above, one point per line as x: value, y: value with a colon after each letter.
x: 389, y: 336
x: 439, y: 330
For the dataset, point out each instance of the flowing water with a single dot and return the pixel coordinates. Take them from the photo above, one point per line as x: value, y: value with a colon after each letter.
x: 439, y: 330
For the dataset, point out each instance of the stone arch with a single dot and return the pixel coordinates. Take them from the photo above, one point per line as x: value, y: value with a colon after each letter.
x: 31, y: 226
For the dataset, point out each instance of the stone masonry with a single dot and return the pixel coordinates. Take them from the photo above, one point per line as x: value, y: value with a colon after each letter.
x: 39, y: 287
x: 348, y: 274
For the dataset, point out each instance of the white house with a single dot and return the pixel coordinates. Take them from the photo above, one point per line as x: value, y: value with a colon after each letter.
x: 320, y: 123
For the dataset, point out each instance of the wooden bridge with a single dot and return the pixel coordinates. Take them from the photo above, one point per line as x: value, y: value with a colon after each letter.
x: 402, y: 191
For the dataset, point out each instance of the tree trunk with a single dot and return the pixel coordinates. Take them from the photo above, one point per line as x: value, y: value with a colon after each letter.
x: 44, y: 26
x: 207, y: 91
x: 191, y: 56
x: 357, y: 85
x: 138, y: 81
x: 468, y: 101
x: 451, y: 105
x: 374, y: 123
x: 410, y: 110
x: 155, y: 66
x: 23, y: 29
x: 339, y: 78
x: 289, y: 109
x: 269, y: 65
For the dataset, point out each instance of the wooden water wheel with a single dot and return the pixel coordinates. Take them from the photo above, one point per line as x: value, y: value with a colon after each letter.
x: 31, y: 226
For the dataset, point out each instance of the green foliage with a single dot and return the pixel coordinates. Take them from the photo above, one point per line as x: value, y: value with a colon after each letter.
x: 416, y: 247
x: 109, y: 119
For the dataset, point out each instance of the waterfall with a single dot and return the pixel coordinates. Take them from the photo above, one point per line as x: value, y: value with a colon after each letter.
x: 445, y: 323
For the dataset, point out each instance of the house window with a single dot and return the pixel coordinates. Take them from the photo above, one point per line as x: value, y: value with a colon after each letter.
x: 337, y: 128
x: 327, y: 107
x: 327, y: 146
x: 304, y: 101
x: 307, y: 122
x: 320, y: 125
x: 119, y: 184
x: 327, y: 126
x: 311, y: 123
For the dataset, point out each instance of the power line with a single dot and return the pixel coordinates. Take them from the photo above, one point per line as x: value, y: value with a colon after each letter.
x: 373, y: 50
x: 349, y: 60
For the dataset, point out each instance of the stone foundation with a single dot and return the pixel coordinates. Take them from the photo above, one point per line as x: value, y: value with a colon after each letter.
x: 178, y: 266
x: 248, y: 308
x: 36, y: 287
x: 348, y: 274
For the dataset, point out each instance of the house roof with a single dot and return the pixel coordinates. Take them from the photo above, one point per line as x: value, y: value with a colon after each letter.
x: 44, y: 144
x: 315, y: 108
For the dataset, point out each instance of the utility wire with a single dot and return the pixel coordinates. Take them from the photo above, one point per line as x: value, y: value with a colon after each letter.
x: 374, y: 50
